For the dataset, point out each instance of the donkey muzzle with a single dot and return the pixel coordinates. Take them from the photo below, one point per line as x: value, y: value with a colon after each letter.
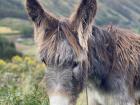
x: 59, y: 100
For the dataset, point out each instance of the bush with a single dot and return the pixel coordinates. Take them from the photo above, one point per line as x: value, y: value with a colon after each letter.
x: 7, y: 49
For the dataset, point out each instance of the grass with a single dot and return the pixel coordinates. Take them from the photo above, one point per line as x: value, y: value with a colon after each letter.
x: 20, y: 82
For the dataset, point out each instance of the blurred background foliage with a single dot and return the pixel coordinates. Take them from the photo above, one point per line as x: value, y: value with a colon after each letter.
x: 7, y: 49
x: 124, y: 13
x: 20, y: 70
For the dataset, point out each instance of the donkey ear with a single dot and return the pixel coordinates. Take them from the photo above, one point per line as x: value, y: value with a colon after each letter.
x: 85, y: 14
x: 34, y: 10
x: 37, y: 13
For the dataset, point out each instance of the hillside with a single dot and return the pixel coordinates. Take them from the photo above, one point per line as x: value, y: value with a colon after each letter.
x: 125, y: 13
x: 119, y: 12
x: 12, y: 8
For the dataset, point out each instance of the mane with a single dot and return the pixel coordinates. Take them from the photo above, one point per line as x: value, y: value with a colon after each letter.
x: 120, y: 47
x: 127, y: 49
x: 113, y: 50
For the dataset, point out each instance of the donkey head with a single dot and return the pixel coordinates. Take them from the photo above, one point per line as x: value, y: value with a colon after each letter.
x: 62, y: 46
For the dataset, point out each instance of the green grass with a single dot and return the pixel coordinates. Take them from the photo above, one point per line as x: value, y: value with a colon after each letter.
x: 20, y: 82
x: 15, y: 97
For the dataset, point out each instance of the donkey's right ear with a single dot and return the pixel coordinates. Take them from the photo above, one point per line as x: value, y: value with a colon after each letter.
x: 35, y: 10
x: 37, y: 14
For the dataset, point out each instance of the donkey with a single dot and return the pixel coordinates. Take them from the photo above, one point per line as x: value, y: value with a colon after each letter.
x: 80, y: 55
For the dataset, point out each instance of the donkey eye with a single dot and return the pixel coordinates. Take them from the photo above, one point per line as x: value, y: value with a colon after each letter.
x: 75, y: 64
x: 47, y: 29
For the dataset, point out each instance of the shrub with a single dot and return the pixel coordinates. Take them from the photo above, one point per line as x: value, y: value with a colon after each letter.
x: 7, y: 49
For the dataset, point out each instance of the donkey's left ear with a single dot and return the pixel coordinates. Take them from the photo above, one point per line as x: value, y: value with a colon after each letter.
x: 85, y: 15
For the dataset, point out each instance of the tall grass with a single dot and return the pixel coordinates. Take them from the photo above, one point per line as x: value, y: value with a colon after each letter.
x: 19, y: 82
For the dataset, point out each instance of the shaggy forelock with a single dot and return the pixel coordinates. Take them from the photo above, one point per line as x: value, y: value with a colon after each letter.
x: 59, y: 47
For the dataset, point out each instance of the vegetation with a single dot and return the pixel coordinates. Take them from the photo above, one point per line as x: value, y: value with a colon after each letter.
x: 6, y: 30
x: 12, y: 8
x: 7, y: 49
x: 124, y: 13
x: 20, y: 79
x: 22, y: 26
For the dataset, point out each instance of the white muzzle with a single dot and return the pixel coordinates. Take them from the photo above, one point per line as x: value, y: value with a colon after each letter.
x: 59, y: 100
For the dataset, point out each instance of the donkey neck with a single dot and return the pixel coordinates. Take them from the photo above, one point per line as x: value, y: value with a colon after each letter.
x: 101, y: 47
